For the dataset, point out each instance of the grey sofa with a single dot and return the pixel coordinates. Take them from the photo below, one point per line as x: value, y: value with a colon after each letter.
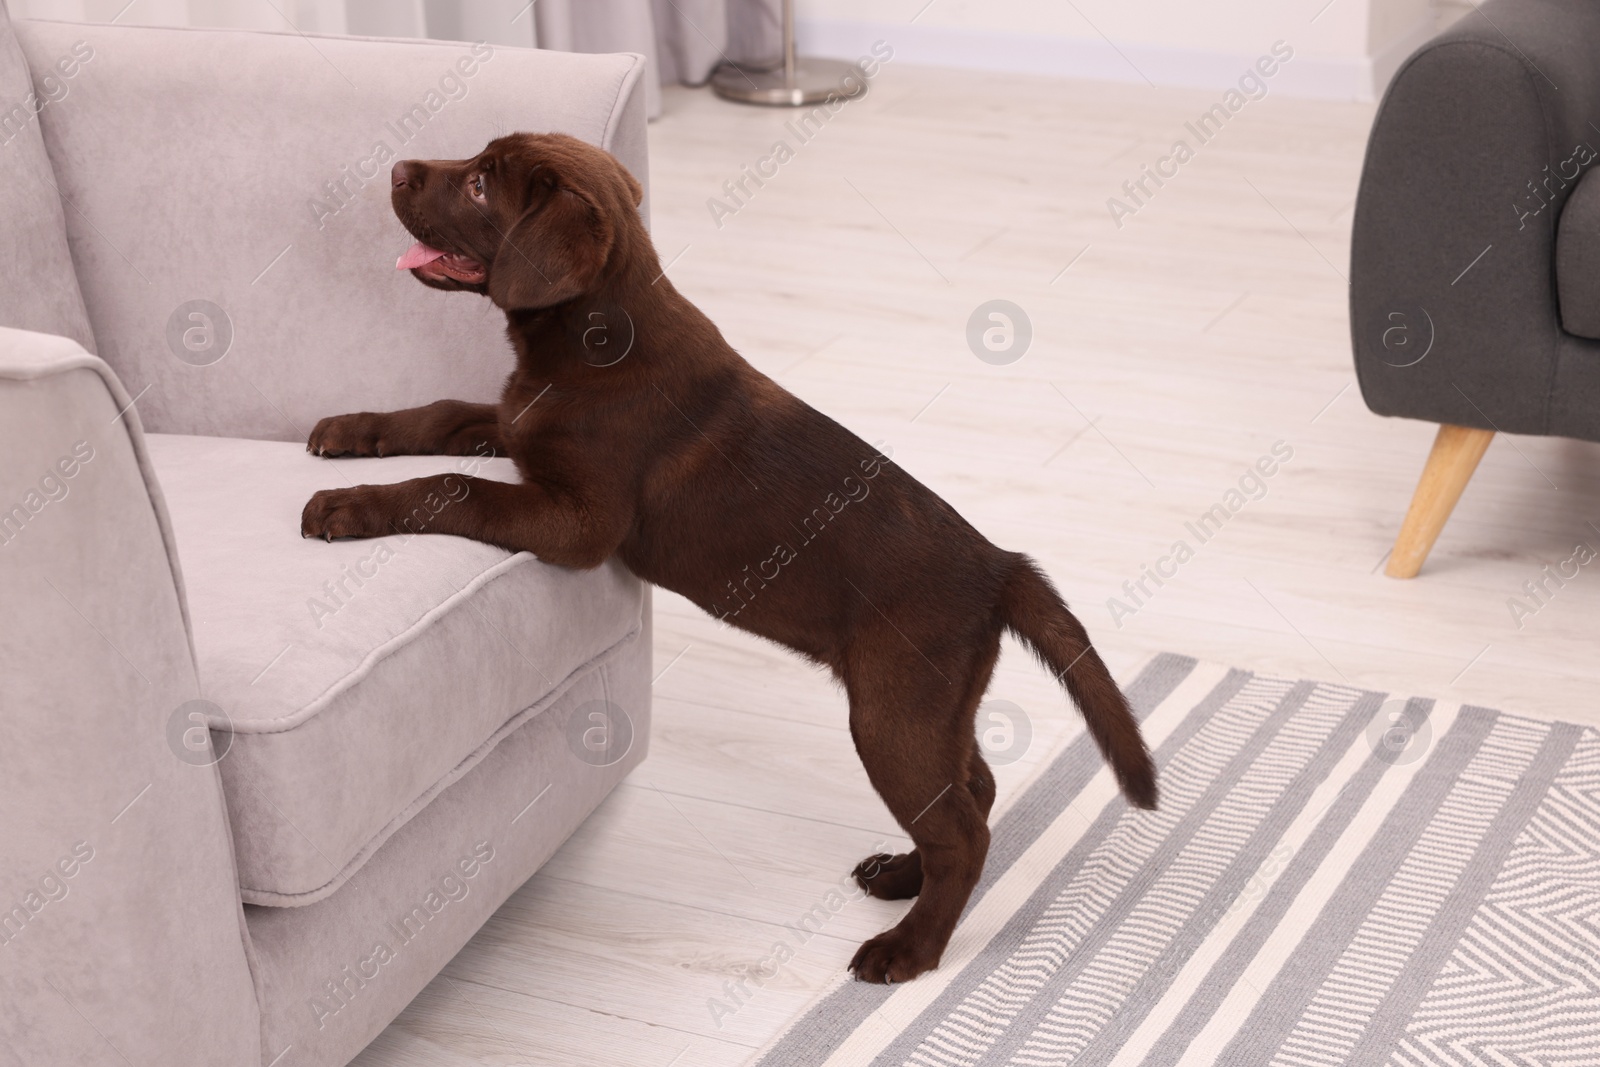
x: 1475, y: 256
x: 255, y: 791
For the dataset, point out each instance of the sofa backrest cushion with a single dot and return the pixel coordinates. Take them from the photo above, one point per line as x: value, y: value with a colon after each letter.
x: 236, y: 245
x: 38, y: 289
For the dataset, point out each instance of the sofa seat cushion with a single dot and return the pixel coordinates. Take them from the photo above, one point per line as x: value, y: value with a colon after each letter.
x: 353, y: 681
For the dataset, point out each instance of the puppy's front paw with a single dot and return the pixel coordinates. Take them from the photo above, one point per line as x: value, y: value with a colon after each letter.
x: 352, y: 512
x: 896, y: 955
x: 360, y: 434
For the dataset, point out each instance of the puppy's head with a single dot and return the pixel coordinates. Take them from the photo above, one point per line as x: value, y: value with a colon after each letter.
x: 531, y: 221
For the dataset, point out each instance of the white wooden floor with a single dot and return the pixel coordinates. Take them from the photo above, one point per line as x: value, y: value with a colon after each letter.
x: 1169, y: 356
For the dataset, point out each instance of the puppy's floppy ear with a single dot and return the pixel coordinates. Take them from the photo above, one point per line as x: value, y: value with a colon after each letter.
x: 553, y: 253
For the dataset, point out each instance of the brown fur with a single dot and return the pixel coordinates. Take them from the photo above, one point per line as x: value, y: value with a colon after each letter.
x: 708, y: 478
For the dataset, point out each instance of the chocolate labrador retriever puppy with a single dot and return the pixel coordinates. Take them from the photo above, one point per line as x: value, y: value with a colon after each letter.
x: 706, y: 477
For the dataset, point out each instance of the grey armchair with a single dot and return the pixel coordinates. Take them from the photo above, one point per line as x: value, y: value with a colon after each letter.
x: 1475, y: 256
x: 256, y: 791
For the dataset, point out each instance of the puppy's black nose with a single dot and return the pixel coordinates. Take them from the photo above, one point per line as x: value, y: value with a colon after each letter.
x: 405, y: 174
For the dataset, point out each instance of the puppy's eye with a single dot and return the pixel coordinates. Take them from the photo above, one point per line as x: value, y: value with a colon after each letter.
x: 475, y: 186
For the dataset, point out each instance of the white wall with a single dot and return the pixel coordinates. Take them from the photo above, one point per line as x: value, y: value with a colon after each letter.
x: 1346, y: 49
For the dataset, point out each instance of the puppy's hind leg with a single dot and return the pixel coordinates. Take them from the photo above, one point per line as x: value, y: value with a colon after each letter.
x: 899, y: 877
x: 913, y: 731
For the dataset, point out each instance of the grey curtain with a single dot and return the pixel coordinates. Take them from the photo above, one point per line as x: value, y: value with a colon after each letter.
x: 684, y: 39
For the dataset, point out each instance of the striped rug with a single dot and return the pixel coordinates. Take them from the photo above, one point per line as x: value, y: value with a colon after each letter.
x: 1334, y: 877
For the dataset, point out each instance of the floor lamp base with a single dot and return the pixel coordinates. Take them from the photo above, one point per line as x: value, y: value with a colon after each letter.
x: 814, y: 81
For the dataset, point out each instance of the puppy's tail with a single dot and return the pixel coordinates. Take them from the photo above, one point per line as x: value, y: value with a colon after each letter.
x: 1036, y: 614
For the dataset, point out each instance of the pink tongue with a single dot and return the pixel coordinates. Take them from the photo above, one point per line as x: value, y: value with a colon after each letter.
x: 418, y: 255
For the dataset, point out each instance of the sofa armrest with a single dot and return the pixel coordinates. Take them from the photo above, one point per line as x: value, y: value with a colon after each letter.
x: 118, y: 897
x: 1475, y: 148
x: 250, y: 171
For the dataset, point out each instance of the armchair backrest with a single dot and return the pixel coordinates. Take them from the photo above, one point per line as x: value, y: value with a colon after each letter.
x: 230, y: 219
x: 38, y: 289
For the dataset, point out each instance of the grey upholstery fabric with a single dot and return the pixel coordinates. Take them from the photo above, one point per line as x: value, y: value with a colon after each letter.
x: 1575, y: 389
x: 38, y: 289
x: 1453, y: 298
x: 1578, y: 259
x: 327, y: 989
x: 327, y: 657
x: 116, y: 870
x: 268, y: 196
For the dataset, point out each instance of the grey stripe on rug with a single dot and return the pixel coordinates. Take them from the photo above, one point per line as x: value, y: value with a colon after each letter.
x: 1334, y: 877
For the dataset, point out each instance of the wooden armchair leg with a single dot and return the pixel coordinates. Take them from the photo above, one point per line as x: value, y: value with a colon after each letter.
x: 1455, y: 455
